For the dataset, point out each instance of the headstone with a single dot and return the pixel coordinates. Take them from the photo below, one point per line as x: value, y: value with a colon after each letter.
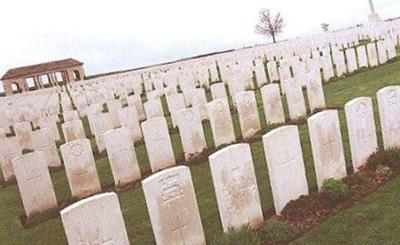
x: 23, y: 131
x: 113, y: 107
x: 172, y: 206
x: 101, y: 124
x: 248, y: 114
x: 129, y: 119
x: 175, y: 103
x: 285, y: 165
x: 158, y: 143
x: 95, y: 220
x: 43, y: 140
x: 272, y: 71
x: 351, y: 60
x: 272, y: 104
x: 218, y: 91
x: 191, y: 133
x: 295, y: 99
x: 80, y: 168
x: 315, y: 91
x: 9, y: 149
x: 361, y: 128
x: 70, y: 115
x: 200, y: 103
x: 153, y: 108
x: 135, y: 101
x: 261, y: 75
x: 362, y: 56
x: 327, y: 146
x: 122, y: 156
x: 73, y: 130
x: 34, y: 183
x: 389, y: 115
x: 51, y: 122
x: 221, y: 122
x: 236, y: 188
x: 372, y: 55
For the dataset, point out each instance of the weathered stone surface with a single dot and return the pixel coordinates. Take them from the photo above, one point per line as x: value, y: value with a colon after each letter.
x: 327, y: 146
x: 135, y: 101
x: 361, y: 128
x: 172, y: 206
x: 389, y: 114
x: 158, y: 143
x: 372, y: 55
x: 34, y: 183
x: 272, y: 104
x: 362, y: 56
x: 73, y: 130
x: 80, y: 168
x: 191, y: 133
x: 248, y: 114
x: 285, y: 163
x: 113, y: 107
x: 236, y: 187
x: 221, y: 122
x: 95, y: 220
x: 122, y: 156
x: 101, y: 125
x: 175, y: 103
x: 315, y: 91
x: 23, y: 131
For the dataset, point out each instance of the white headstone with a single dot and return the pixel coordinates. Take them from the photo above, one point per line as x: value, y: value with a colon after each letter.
x: 295, y: 99
x: 248, y: 114
x: 389, y: 114
x: 73, y: 130
x: 327, y: 146
x: 80, y: 168
x: 221, y: 122
x: 158, y: 143
x: 129, y: 119
x: 43, y: 140
x: 272, y: 104
x: 9, y: 149
x: 95, y: 220
x: 172, y: 206
x: 153, y: 108
x: 236, y: 188
x: 285, y: 165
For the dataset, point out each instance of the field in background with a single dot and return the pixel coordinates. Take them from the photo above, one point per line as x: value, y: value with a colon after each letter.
x: 337, y: 93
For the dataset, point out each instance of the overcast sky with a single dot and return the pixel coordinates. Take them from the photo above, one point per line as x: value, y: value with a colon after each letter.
x: 118, y: 34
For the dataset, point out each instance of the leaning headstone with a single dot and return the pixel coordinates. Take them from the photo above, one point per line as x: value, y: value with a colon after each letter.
x: 122, y: 157
x: 272, y: 103
x: 95, y: 220
x: 9, y: 149
x: 295, y: 99
x: 43, y: 140
x: 172, y: 206
x: 80, y: 168
x: 315, y: 91
x: 191, y: 133
x: 73, y: 130
x: 248, y: 114
x: 362, y: 132
x: 236, y: 188
x: 221, y: 122
x: 285, y: 163
x: 129, y: 119
x: 153, y: 108
x: 34, y: 183
x: 389, y: 114
x: 158, y: 143
x: 327, y: 146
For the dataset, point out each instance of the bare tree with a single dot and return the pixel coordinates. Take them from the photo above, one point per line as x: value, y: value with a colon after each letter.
x: 269, y: 26
x: 325, y: 27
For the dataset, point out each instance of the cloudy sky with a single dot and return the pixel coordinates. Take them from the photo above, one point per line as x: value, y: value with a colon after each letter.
x: 119, y: 34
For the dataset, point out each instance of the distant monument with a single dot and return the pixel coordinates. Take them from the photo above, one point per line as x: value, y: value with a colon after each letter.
x: 373, y: 17
x: 54, y: 73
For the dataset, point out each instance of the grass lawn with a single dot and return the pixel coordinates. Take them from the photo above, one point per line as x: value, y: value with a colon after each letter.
x: 365, y: 83
x: 374, y: 221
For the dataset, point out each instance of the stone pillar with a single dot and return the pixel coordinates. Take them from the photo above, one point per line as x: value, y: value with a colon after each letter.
x: 373, y: 16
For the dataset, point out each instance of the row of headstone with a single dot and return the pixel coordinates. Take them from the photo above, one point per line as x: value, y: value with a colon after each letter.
x: 170, y: 196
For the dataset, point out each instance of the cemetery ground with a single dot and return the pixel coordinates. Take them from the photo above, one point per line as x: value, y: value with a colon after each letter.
x: 374, y: 220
